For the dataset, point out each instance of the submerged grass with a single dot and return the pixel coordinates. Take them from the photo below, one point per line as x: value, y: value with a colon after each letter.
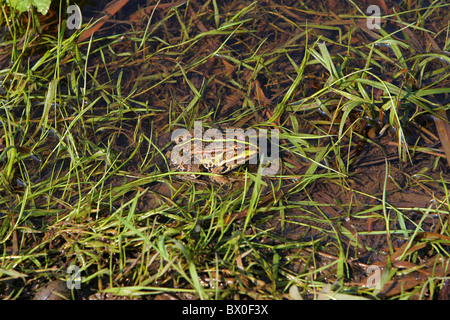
x: 359, y: 208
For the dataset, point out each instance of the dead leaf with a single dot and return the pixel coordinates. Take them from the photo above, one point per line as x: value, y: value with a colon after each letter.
x: 110, y: 9
x: 443, y: 129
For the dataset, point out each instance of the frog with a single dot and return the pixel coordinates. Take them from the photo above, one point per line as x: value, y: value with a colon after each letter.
x: 211, y: 152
